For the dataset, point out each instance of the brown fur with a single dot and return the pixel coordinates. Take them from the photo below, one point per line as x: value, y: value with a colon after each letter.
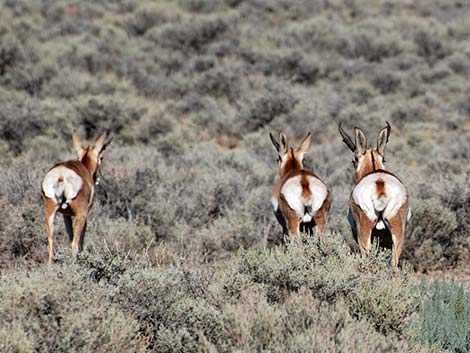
x: 367, y: 164
x: 292, y: 162
x: 305, y: 186
x: 380, y: 185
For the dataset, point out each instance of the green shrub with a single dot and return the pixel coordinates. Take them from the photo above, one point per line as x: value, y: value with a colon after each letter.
x: 444, y: 318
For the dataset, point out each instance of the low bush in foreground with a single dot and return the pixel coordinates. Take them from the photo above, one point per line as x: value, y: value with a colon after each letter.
x: 309, y: 295
x: 61, y: 311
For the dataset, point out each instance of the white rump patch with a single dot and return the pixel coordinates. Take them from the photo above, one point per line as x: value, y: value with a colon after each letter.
x: 365, y: 196
x: 68, y: 187
x: 292, y: 191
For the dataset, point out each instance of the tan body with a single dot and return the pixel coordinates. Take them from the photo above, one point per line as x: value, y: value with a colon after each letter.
x: 379, y: 200
x: 300, y: 199
x: 68, y: 188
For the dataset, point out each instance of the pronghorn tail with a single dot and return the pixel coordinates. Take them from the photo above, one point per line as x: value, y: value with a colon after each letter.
x: 59, y: 192
x: 380, y: 202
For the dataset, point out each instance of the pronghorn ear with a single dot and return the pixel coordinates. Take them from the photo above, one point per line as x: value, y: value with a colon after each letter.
x: 275, y: 142
x: 77, y: 145
x: 283, y: 142
x: 361, y: 141
x: 306, y: 144
x: 100, y: 143
x: 382, y: 138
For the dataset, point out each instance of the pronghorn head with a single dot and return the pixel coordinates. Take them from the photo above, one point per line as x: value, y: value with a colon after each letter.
x: 289, y: 158
x: 366, y: 160
x: 91, y: 156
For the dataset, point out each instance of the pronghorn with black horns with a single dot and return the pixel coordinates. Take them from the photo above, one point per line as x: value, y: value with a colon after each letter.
x: 300, y: 198
x: 69, y: 187
x: 379, y: 200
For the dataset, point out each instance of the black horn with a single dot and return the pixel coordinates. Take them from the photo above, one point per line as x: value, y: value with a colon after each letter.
x: 346, y: 139
x: 106, y: 144
x: 389, y: 130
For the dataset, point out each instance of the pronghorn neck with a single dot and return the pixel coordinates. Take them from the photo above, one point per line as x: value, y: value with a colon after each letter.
x: 369, y: 162
x: 90, y: 164
x: 291, y: 161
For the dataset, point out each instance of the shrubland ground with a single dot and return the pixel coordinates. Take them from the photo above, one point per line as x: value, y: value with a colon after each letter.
x: 181, y: 249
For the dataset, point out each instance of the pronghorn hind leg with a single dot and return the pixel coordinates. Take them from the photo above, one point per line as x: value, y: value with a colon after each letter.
x: 294, y: 226
x: 322, y: 214
x: 397, y: 225
x: 68, y: 226
x: 364, y: 234
x: 320, y: 221
x: 291, y: 218
x: 50, y: 209
x: 78, y: 232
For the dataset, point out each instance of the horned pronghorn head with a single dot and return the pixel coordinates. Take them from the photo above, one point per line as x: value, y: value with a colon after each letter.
x: 91, y: 156
x: 366, y: 160
x: 289, y: 158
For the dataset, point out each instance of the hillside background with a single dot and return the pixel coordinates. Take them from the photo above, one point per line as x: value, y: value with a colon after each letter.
x: 182, y: 245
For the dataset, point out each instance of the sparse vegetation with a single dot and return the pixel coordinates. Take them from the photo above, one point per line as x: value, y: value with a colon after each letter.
x: 181, y: 250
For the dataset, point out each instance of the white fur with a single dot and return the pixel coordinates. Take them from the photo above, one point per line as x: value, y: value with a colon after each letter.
x: 380, y: 225
x: 365, y: 196
x: 292, y: 192
x: 69, y: 187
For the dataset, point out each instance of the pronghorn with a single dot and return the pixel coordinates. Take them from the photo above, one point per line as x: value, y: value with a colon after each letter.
x: 379, y: 200
x: 69, y: 188
x: 299, y: 198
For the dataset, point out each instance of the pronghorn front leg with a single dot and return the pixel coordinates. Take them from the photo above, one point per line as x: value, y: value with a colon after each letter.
x: 82, y: 237
x: 78, y: 232
x: 50, y: 211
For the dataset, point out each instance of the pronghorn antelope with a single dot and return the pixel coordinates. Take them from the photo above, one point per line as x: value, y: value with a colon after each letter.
x: 69, y: 187
x: 379, y: 200
x: 300, y: 198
